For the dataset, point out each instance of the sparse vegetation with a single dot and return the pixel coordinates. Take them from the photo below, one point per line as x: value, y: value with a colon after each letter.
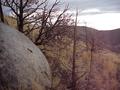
x: 79, y: 60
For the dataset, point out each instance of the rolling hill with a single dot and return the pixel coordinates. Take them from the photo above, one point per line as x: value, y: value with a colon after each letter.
x: 103, y: 70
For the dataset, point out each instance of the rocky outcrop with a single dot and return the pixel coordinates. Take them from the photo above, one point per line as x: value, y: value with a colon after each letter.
x: 22, y: 64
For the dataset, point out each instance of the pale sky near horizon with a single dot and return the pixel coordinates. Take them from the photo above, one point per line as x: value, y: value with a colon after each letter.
x: 98, y: 14
x: 103, y: 21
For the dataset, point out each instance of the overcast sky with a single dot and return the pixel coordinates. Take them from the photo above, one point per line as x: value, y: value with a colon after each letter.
x: 99, y: 14
x: 103, y: 5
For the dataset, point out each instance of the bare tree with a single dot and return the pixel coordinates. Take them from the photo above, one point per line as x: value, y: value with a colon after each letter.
x: 73, y: 83
x: 92, y: 50
x: 86, y: 35
x: 1, y: 12
x: 23, y: 9
x: 51, y: 21
x: 74, y: 71
x: 41, y: 18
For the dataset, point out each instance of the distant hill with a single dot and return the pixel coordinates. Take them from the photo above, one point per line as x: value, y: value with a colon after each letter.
x: 108, y: 39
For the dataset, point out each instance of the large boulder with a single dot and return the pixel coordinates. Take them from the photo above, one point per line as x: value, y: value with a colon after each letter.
x: 22, y: 65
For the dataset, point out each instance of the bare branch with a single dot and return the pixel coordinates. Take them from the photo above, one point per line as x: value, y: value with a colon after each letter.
x: 35, y: 9
x: 11, y: 6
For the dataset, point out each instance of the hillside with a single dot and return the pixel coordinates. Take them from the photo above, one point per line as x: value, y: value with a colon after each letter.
x: 103, y: 70
x: 109, y: 39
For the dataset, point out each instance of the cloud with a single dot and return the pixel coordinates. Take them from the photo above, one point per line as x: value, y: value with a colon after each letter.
x: 99, y: 14
x: 101, y: 21
x: 103, y: 5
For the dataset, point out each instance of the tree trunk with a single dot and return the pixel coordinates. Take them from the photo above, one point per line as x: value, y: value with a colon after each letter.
x: 20, y: 25
x: 20, y: 22
x: 1, y: 12
x: 74, y: 56
x: 92, y: 49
